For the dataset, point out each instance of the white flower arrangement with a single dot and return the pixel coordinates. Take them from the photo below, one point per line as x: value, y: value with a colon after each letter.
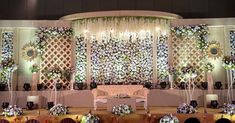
x: 186, y: 109
x: 12, y: 111
x: 122, y: 109
x: 58, y: 109
x: 229, y: 109
x: 90, y: 118
x: 169, y: 119
x: 209, y: 67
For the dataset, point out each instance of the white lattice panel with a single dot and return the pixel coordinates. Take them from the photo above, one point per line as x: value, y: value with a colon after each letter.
x: 56, y: 53
x: 185, y: 52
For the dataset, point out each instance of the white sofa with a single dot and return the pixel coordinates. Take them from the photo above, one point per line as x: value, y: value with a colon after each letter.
x: 102, y: 92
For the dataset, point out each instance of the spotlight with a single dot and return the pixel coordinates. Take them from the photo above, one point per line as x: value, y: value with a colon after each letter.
x: 39, y: 86
x: 148, y: 85
x: 27, y: 86
x: 204, y: 85
x: 194, y: 103
x: 58, y: 86
x: 93, y: 85
x: 163, y: 85
x: 50, y: 105
x: 182, y: 85
x: 5, y: 105
x: 30, y: 105
x: 214, y: 103
x: 218, y: 85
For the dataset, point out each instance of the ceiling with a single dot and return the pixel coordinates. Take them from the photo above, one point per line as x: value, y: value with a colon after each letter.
x: 54, y: 9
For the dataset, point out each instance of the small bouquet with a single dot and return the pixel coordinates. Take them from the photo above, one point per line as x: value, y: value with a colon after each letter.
x: 186, y: 109
x: 90, y: 118
x: 12, y: 111
x: 228, y: 62
x: 34, y: 68
x: 53, y: 73
x: 209, y: 67
x: 58, y: 109
x: 169, y: 119
x: 189, y: 71
x: 122, y: 109
x: 229, y: 109
x: 8, y: 65
x: 172, y: 70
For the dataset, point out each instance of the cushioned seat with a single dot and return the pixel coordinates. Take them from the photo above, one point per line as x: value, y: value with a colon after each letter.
x: 102, y: 92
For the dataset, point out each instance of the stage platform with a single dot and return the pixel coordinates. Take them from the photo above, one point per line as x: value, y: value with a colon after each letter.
x: 84, y: 98
x: 140, y: 116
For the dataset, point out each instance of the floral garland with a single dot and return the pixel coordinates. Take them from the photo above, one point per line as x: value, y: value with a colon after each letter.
x: 53, y: 73
x: 58, y: 109
x: 188, y: 71
x: 228, y: 109
x: 121, y: 109
x: 90, y: 118
x: 186, y: 109
x: 12, y: 111
x: 228, y: 62
x: 43, y: 33
x: 199, y: 31
x: 8, y: 65
x: 169, y: 119
x: 7, y: 45
x: 34, y: 68
x: 232, y: 42
x: 209, y: 67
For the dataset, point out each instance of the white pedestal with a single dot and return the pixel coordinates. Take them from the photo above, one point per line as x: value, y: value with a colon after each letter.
x: 210, y: 97
x: 35, y: 100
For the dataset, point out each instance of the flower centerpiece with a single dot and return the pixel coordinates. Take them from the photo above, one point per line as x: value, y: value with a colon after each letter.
x: 90, y: 118
x: 228, y: 109
x: 186, y: 109
x: 188, y: 71
x: 169, y: 119
x: 12, y: 111
x: 34, y: 68
x: 228, y: 62
x: 58, y: 109
x: 8, y: 65
x: 53, y: 73
x: 122, y: 109
x: 209, y: 67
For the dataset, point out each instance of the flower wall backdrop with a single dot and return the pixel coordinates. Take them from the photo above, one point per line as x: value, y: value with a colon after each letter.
x: 7, y: 52
x: 116, y: 60
x: 162, y: 58
x: 81, y: 59
x: 232, y: 46
x: 120, y: 49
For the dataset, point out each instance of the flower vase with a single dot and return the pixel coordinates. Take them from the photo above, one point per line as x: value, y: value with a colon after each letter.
x: 171, y: 79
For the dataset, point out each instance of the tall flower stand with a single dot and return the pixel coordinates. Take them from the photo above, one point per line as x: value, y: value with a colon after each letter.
x: 210, y: 96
